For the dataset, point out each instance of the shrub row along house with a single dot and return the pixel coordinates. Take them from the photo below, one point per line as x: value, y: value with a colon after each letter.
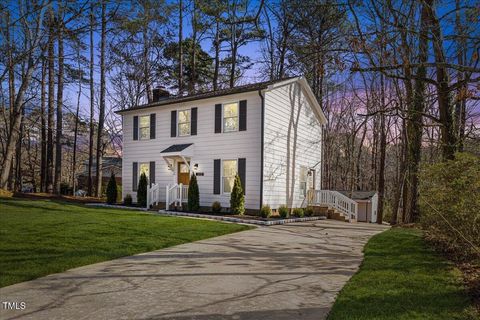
x: 268, y: 133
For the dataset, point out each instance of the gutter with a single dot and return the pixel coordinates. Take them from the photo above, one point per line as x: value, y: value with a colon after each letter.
x: 262, y: 97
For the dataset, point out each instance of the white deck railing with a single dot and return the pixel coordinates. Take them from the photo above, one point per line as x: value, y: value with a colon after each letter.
x: 334, y: 200
x: 153, y: 194
x: 176, y: 194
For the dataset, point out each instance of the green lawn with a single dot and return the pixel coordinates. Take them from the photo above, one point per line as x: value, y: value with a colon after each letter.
x: 43, y: 237
x: 401, y: 278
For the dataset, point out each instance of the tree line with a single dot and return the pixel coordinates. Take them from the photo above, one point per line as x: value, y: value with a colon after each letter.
x: 397, y: 80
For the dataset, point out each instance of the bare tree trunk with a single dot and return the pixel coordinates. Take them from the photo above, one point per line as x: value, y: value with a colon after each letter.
x: 51, y: 95
x: 101, y: 117
x: 75, y: 135
x: 415, y: 123
x: 180, y: 48
x: 193, y: 53
x: 146, y: 67
x: 43, y: 156
x: 58, y: 136
x: 92, y: 102
x: 217, y: 54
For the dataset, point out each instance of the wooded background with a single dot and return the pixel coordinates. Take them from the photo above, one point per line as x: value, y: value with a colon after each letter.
x: 397, y: 80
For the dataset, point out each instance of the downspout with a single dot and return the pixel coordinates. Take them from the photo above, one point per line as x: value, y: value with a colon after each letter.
x: 262, y: 97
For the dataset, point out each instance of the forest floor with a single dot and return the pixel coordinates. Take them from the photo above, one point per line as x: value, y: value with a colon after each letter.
x: 401, y: 277
x: 41, y: 237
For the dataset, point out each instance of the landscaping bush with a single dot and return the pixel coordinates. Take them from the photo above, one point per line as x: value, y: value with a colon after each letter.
x: 308, y: 211
x: 142, y: 191
x: 298, y: 212
x: 5, y: 193
x: 127, y: 200
x: 112, y: 190
x: 193, y: 194
x: 216, y: 207
x: 283, y: 212
x: 450, y: 205
x: 265, y: 211
x: 237, y: 199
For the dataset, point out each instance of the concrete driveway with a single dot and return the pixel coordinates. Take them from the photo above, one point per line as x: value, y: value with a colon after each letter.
x: 280, y: 272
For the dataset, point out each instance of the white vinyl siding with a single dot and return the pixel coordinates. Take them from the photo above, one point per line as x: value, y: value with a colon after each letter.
x: 292, y: 141
x: 207, y: 146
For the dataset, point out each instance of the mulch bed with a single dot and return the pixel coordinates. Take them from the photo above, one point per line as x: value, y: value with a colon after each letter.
x: 48, y: 196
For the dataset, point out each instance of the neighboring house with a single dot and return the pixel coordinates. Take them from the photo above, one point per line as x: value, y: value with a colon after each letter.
x: 268, y: 133
x: 367, y: 204
x: 109, y: 165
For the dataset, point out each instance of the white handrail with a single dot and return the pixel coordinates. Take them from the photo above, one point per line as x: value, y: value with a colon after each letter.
x: 153, y: 194
x: 335, y: 200
x: 176, y: 194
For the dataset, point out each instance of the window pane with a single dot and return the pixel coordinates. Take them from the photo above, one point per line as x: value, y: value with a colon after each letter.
x: 230, y: 110
x: 145, y: 133
x: 228, y: 184
x: 144, y: 121
x: 229, y: 168
x: 144, y: 168
x: 184, y: 116
x: 184, y: 129
x: 230, y: 124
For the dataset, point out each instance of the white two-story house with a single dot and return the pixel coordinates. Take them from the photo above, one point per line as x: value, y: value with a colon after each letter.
x: 269, y: 133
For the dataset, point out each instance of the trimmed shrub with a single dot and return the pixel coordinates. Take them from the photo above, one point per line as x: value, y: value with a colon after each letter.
x: 112, y: 190
x: 283, y: 212
x: 193, y: 194
x: 265, y: 211
x: 142, y: 191
x: 216, y: 207
x: 127, y: 200
x: 298, y: 212
x: 450, y: 205
x: 308, y: 211
x: 237, y: 199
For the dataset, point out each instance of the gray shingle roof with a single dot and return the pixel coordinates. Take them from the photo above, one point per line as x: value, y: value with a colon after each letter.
x: 177, y: 147
x: 206, y: 95
x: 359, y: 195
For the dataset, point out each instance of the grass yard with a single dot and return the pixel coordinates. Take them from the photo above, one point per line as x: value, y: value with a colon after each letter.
x: 43, y: 237
x: 401, y: 278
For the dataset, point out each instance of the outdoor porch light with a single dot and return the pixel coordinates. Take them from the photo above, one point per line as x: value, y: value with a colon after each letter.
x: 195, y: 167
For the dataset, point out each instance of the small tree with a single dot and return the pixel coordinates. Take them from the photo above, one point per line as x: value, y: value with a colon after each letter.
x: 193, y: 194
x: 237, y: 199
x: 112, y: 190
x: 142, y: 190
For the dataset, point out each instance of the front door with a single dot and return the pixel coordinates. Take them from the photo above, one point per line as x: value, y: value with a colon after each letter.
x: 183, y: 173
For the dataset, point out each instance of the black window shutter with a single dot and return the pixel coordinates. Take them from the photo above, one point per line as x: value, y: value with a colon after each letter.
x: 193, y: 128
x: 173, y: 124
x: 135, y: 176
x: 243, y: 116
x: 218, y: 118
x: 152, y: 125
x: 152, y: 173
x: 216, y: 176
x: 135, y: 127
x: 242, y: 172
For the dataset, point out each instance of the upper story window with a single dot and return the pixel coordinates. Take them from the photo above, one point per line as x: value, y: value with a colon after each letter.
x: 144, y: 127
x: 184, y: 123
x: 228, y: 175
x: 230, y: 117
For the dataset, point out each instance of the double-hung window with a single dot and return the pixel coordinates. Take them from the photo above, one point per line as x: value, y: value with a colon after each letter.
x: 228, y: 175
x: 184, y: 122
x: 303, y: 181
x: 144, y: 167
x: 144, y: 127
x: 230, y: 117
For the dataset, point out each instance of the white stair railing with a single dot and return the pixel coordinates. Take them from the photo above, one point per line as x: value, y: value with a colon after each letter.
x: 153, y: 194
x: 176, y: 194
x: 335, y: 200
